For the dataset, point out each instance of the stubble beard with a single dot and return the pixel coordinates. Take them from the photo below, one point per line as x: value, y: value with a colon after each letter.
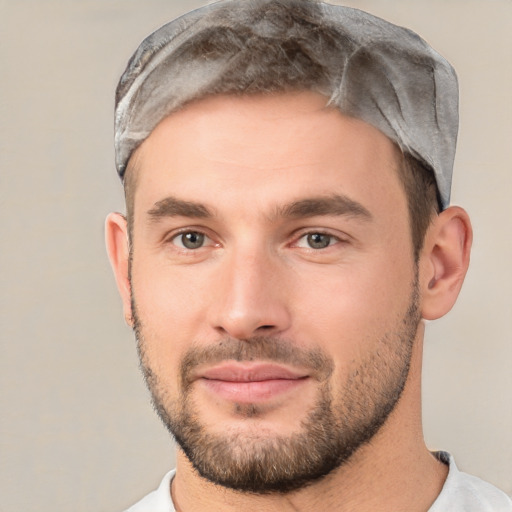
x: 338, y: 424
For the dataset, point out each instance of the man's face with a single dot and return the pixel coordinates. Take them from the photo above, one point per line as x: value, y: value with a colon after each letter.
x: 274, y: 288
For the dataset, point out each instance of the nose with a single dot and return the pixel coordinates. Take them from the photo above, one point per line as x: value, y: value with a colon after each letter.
x: 250, y: 296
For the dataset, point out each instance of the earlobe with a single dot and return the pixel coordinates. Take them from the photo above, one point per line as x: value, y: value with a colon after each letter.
x: 118, y: 249
x: 444, y: 261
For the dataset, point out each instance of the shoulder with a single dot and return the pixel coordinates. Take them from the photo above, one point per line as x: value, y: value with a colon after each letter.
x: 157, y: 501
x: 467, y: 493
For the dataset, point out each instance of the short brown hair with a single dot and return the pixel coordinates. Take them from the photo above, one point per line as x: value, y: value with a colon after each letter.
x: 422, y: 195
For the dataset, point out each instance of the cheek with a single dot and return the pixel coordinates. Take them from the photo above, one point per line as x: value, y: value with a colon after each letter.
x: 348, y: 309
x: 170, y: 308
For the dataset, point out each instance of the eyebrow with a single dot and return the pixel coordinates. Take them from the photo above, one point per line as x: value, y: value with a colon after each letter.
x: 173, y: 207
x: 335, y: 204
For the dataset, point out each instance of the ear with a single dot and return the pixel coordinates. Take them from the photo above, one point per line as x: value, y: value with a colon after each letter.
x: 118, y: 249
x: 444, y: 261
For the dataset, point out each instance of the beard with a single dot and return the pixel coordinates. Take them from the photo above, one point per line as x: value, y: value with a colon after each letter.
x: 337, y: 425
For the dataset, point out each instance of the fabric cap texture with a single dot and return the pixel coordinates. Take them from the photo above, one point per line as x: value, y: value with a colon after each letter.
x: 367, y: 67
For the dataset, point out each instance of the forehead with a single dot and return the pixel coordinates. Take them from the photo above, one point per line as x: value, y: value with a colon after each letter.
x: 264, y: 145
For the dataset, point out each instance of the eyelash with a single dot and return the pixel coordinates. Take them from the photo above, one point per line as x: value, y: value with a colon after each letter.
x: 332, y: 239
x: 187, y: 231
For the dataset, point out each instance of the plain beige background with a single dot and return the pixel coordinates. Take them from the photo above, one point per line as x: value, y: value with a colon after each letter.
x: 77, y: 432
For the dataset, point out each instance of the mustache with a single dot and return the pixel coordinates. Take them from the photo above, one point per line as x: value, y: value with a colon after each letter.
x: 257, y: 348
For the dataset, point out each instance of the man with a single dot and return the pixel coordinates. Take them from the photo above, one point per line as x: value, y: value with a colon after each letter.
x: 287, y: 169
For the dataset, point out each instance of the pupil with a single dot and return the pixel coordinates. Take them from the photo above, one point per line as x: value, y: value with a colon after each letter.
x: 193, y: 240
x: 318, y: 240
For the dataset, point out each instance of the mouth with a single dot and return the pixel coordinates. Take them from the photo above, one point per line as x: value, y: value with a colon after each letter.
x: 251, y: 382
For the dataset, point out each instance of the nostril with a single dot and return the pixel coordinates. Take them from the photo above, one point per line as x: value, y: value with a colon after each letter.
x: 265, y: 327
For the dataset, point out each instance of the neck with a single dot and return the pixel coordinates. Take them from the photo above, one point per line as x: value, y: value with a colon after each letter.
x: 394, y: 471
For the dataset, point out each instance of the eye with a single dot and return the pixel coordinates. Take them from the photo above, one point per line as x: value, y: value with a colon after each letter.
x: 190, y: 240
x: 316, y: 240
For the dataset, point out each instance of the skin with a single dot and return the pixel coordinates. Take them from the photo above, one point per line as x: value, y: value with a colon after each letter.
x: 245, y: 159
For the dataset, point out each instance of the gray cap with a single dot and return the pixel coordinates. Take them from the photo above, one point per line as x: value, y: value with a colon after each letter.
x: 368, y: 68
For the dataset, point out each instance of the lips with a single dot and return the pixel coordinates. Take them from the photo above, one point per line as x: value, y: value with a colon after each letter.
x: 249, y: 383
x: 232, y: 372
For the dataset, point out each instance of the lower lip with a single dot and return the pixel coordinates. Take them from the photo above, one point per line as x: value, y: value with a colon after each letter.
x: 250, y: 392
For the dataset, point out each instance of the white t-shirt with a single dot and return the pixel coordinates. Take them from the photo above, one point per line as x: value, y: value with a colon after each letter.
x: 461, y: 493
